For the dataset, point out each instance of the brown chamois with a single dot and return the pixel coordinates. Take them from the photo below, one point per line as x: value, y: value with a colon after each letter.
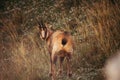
x: 60, y: 45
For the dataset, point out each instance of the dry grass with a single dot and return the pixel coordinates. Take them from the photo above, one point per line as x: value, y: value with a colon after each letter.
x: 94, y: 26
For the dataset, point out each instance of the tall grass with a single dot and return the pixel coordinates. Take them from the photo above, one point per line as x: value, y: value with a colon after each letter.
x: 93, y: 24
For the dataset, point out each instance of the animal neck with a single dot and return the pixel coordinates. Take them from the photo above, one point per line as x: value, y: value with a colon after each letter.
x: 49, y: 33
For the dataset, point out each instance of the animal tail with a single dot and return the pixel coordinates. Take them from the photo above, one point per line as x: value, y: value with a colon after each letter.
x: 64, y: 41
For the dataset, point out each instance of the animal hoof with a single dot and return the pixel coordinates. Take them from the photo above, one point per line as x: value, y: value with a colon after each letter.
x: 69, y: 74
x: 59, y: 72
x: 50, y: 74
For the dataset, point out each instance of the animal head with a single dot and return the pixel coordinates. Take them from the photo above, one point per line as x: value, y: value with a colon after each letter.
x: 43, y: 30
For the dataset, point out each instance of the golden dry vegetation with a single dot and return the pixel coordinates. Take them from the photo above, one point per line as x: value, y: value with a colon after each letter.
x: 94, y: 24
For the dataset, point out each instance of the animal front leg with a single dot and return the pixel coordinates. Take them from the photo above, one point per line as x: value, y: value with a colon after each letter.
x: 54, y: 59
x: 50, y: 74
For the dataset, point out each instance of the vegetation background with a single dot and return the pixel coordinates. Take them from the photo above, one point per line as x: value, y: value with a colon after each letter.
x: 94, y: 24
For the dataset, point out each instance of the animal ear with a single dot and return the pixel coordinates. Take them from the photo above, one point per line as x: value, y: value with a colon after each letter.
x: 49, y: 25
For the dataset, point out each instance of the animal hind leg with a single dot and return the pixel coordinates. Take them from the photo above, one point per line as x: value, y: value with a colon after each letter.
x: 61, y: 59
x: 69, y: 72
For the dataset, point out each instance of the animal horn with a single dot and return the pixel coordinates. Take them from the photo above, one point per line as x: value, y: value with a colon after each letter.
x: 41, y: 24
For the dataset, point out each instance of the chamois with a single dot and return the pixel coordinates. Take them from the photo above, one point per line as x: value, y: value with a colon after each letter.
x: 60, y: 45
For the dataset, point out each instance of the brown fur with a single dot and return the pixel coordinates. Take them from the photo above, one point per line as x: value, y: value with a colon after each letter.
x: 60, y: 45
